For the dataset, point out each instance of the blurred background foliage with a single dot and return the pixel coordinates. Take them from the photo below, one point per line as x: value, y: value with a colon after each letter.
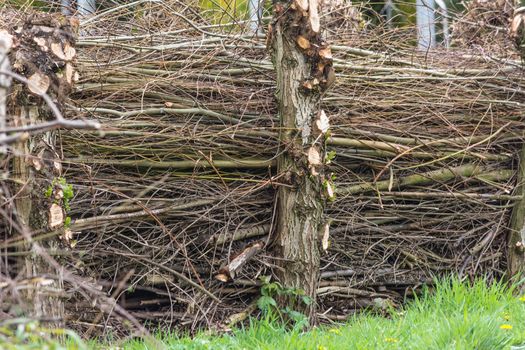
x: 403, y: 11
x: 226, y: 11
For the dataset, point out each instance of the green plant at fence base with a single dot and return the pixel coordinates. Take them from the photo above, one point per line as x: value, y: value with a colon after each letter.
x: 451, y: 315
x: 267, y: 303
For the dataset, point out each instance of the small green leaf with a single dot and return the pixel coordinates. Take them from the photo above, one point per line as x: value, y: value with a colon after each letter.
x: 67, y: 208
x: 294, y: 315
x: 273, y: 288
x: 265, y: 279
x: 307, y: 300
x: 49, y: 191
x: 265, y: 302
x: 68, y: 191
x: 329, y: 157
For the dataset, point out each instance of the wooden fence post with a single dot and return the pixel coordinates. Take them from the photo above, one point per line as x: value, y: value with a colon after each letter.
x: 44, y: 57
x: 516, y: 238
x: 303, y: 63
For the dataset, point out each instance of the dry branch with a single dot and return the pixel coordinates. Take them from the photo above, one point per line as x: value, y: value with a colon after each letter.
x: 229, y: 271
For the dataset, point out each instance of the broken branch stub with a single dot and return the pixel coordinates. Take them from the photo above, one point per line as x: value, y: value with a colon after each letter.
x: 302, y: 5
x: 229, y: 271
x: 56, y: 216
x: 303, y: 42
x: 38, y: 83
x: 66, y: 53
x: 322, y: 123
x: 307, y: 37
x: 6, y: 42
x: 315, y: 21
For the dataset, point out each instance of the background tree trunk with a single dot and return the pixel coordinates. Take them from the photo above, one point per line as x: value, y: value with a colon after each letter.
x: 426, y: 24
x: 303, y: 72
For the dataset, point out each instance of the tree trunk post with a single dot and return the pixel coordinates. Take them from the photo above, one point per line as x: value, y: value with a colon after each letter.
x: 6, y: 42
x: 516, y: 238
x: 44, y: 55
x: 303, y: 63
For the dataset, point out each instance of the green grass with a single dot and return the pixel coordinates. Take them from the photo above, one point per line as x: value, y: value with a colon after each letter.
x: 454, y: 316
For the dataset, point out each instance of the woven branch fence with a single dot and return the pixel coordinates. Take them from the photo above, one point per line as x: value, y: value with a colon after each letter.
x: 174, y: 196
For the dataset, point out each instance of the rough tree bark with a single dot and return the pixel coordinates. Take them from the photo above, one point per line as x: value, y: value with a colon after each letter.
x: 516, y: 237
x: 43, y: 53
x: 6, y: 42
x: 303, y: 63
